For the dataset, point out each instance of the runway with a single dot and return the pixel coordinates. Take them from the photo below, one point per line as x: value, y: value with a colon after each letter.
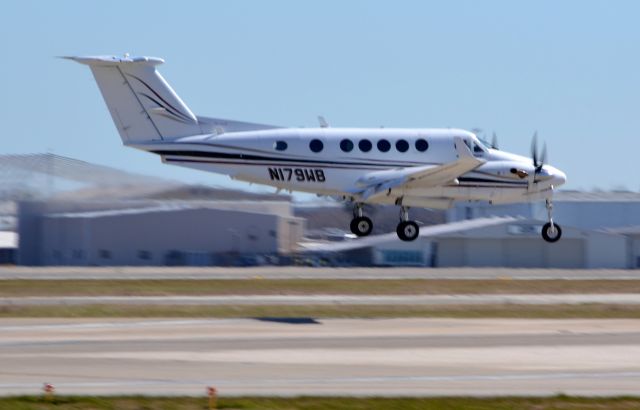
x: 306, y: 300
x: 388, y: 357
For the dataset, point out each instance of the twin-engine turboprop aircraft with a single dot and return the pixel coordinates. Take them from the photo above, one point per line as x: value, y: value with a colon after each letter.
x: 430, y: 168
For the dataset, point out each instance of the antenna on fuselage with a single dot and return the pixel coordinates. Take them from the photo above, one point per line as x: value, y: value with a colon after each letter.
x: 323, y: 122
x: 494, y: 141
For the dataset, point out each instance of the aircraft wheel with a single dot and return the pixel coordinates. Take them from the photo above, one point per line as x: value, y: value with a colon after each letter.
x: 551, y: 234
x: 408, y: 230
x: 361, y: 226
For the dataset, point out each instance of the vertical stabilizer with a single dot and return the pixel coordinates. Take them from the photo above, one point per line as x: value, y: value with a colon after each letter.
x: 142, y: 104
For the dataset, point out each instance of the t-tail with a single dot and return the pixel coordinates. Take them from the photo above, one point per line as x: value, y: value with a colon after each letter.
x: 142, y: 104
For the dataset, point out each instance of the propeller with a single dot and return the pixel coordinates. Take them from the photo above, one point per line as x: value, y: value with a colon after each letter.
x: 538, y: 158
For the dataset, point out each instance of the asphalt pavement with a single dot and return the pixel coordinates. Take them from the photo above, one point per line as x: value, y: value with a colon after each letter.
x: 271, y: 356
x: 306, y: 300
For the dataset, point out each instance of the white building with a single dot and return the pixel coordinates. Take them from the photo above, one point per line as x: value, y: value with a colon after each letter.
x: 485, y: 242
x: 586, y: 210
x: 147, y: 233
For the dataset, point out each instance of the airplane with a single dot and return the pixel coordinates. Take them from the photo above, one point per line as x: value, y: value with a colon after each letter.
x: 429, y: 168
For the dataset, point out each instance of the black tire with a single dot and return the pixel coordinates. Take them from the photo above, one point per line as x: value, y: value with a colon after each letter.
x: 361, y: 226
x: 408, y: 231
x: 550, y: 237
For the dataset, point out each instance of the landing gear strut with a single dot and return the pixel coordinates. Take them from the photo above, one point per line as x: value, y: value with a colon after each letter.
x: 551, y: 232
x: 407, y: 230
x: 360, y: 224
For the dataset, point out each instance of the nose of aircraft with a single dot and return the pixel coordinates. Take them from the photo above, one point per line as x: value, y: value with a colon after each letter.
x: 557, y: 177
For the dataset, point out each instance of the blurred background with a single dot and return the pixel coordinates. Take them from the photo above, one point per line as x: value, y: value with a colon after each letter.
x: 70, y: 194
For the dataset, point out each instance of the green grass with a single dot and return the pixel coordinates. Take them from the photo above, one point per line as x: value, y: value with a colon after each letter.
x: 584, y: 311
x: 560, y: 402
x: 18, y: 288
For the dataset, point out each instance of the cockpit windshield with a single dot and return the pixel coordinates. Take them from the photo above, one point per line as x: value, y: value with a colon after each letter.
x: 475, y: 146
x: 478, y: 148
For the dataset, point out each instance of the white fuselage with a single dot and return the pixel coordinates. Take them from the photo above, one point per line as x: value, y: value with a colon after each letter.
x: 293, y: 159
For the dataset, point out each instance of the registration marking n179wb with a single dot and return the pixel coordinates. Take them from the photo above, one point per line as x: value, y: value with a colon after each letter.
x: 297, y: 174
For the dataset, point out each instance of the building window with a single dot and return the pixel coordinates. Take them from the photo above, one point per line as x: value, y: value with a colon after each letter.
x: 346, y: 145
x: 104, y: 254
x: 316, y: 145
x: 402, y: 145
x: 280, y: 145
x: 144, y: 255
x: 422, y: 145
x: 78, y: 254
x: 272, y: 233
x: 384, y: 145
x: 365, y: 145
x: 394, y: 257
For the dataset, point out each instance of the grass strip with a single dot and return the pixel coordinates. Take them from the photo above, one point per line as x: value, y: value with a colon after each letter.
x: 18, y: 288
x: 559, y: 402
x: 563, y: 311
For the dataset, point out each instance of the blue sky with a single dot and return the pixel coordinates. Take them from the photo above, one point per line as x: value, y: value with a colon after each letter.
x: 569, y: 69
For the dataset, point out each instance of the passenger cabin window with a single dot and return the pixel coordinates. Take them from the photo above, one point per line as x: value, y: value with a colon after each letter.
x: 316, y: 145
x: 422, y: 145
x: 384, y: 145
x: 365, y: 145
x: 280, y: 145
x: 346, y: 145
x: 402, y: 145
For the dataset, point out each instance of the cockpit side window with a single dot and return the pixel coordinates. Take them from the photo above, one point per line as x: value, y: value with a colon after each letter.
x: 475, y: 147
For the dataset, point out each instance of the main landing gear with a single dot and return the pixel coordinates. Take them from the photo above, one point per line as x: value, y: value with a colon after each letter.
x: 407, y: 230
x: 360, y: 224
x: 551, y: 232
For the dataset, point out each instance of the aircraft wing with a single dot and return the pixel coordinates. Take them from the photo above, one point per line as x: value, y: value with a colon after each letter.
x: 379, y: 182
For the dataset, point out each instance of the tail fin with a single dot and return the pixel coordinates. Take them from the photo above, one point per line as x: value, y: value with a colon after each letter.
x: 143, y: 105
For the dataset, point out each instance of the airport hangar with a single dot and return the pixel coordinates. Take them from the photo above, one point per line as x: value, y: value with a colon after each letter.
x: 585, y: 210
x: 600, y: 230
x: 484, y: 242
x: 203, y: 233
x: 598, y: 216
x: 152, y: 233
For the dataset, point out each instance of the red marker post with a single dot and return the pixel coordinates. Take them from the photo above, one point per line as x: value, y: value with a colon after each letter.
x: 48, y: 390
x: 213, y: 397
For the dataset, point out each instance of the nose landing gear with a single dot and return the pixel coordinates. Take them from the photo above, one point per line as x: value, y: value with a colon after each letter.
x: 551, y: 232
x: 360, y: 224
x: 407, y: 230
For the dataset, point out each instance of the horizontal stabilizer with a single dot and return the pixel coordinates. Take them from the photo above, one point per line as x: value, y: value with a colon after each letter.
x: 114, y: 60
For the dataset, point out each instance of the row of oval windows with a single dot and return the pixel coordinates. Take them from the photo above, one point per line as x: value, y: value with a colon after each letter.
x: 365, y: 145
